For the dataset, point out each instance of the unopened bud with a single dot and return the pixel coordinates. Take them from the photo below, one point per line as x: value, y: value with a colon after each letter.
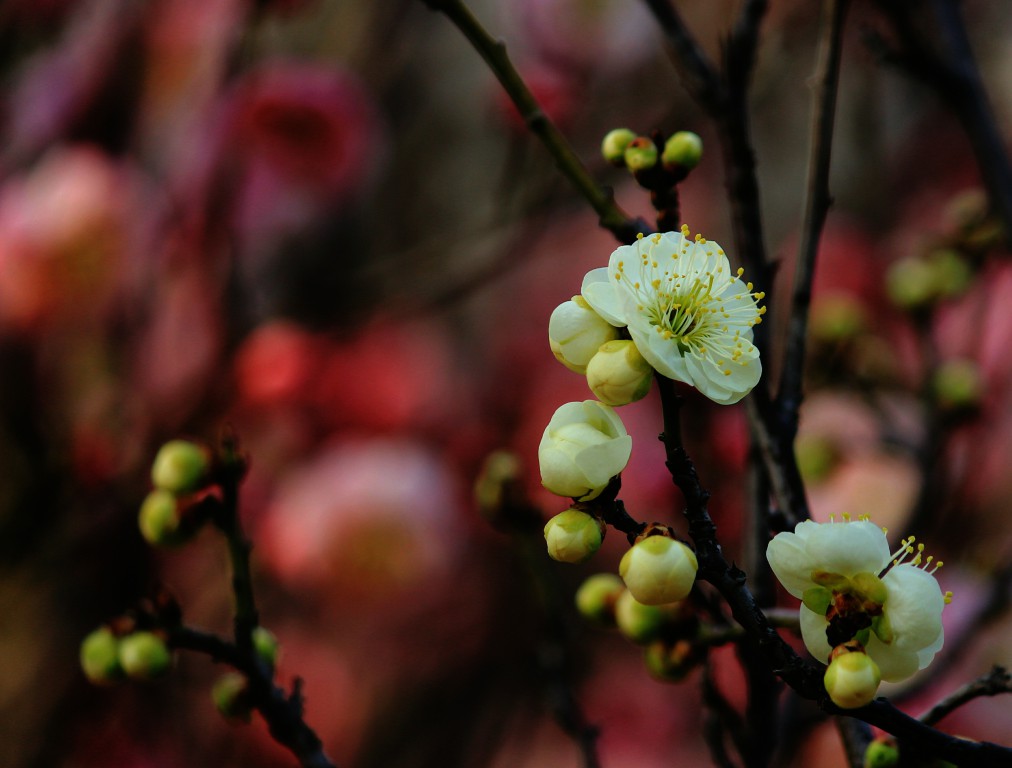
x: 835, y: 318
x: 618, y: 374
x: 180, y: 467
x: 573, y: 536
x: 100, y: 657
x: 910, y: 283
x: 852, y: 678
x: 817, y: 457
x: 614, y: 144
x: 231, y: 696
x: 266, y: 646
x: 881, y: 753
x: 638, y: 622
x: 597, y: 597
x: 683, y: 150
x: 159, y: 519
x: 576, y: 332
x: 658, y: 569
x: 958, y: 385
x: 641, y: 154
x: 670, y: 663
x: 144, y: 655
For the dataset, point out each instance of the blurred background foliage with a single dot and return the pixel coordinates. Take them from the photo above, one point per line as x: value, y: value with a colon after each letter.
x: 322, y: 223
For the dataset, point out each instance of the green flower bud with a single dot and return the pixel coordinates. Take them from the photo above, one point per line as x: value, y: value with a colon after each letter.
x: 180, y: 467
x: 852, y: 678
x: 144, y: 655
x: 958, y: 385
x: 614, y: 144
x: 837, y: 318
x: 597, y: 596
x: 881, y: 753
x: 100, y: 657
x: 658, y: 569
x: 159, y: 519
x: 618, y: 374
x: 817, y: 457
x: 670, y: 663
x: 911, y: 284
x: 231, y: 696
x: 953, y: 274
x: 638, y: 622
x: 683, y: 150
x: 266, y: 646
x: 641, y: 154
x: 573, y: 536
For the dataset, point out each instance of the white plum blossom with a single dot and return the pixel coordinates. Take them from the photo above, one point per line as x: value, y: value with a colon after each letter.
x: 690, y: 316
x: 852, y: 586
x: 583, y: 447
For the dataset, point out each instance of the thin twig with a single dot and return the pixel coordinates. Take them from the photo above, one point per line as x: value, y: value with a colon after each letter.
x: 282, y: 713
x: 995, y: 682
x: 817, y: 204
x: 493, y: 51
x: 720, y: 718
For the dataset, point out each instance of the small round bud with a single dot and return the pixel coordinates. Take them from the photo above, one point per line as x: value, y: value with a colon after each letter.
x: 658, y: 569
x: 817, y: 457
x: 597, y: 596
x: 683, y: 150
x: 837, y: 318
x: 576, y: 332
x: 573, y: 536
x: 910, y: 283
x: 266, y: 646
x: 881, y: 753
x: 100, y: 657
x: 953, y: 275
x: 231, y: 696
x: 638, y: 622
x: 159, y: 519
x: 641, y: 154
x: 670, y: 663
x: 618, y: 374
x: 144, y: 655
x: 180, y: 467
x: 614, y: 144
x: 852, y: 678
x: 958, y: 385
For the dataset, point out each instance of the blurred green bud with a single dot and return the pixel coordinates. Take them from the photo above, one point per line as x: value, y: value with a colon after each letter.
x: 958, y: 385
x: 180, y: 467
x: 670, y: 663
x: 910, y: 283
x: 597, y: 596
x: 641, y: 154
x: 683, y: 150
x: 953, y: 274
x: 817, y: 457
x: 614, y: 144
x: 573, y: 536
x: 144, y: 655
x: 618, y: 374
x: 100, y: 657
x: 231, y: 697
x: 638, y: 622
x: 658, y: 569
x: 837, y: 317
x: 159, y: 519
x: 852, y: 678
x: 881, y: 753
x: 266, y: 646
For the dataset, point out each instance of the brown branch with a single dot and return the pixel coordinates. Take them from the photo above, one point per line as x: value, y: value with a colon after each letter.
x: 995, y: 682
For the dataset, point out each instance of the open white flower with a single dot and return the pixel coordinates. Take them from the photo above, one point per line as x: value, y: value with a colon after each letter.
x: 584, y: 446
x: 853, y: 587
x: 690, y: 316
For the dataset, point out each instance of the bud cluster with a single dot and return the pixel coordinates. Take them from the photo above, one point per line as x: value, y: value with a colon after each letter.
x: 108, y: 656
x: 174, y: 510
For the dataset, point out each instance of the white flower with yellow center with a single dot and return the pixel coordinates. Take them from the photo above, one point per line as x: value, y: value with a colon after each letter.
x: 690, y: 316
x: 853, y: 588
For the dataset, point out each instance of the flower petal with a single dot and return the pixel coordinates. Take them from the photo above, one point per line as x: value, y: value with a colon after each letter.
x: 599, y: 291
x: 914, y: 606
x: 849, y: 548
x: 894, y: 663
x: 813, y: 632
x: 788, y: 556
